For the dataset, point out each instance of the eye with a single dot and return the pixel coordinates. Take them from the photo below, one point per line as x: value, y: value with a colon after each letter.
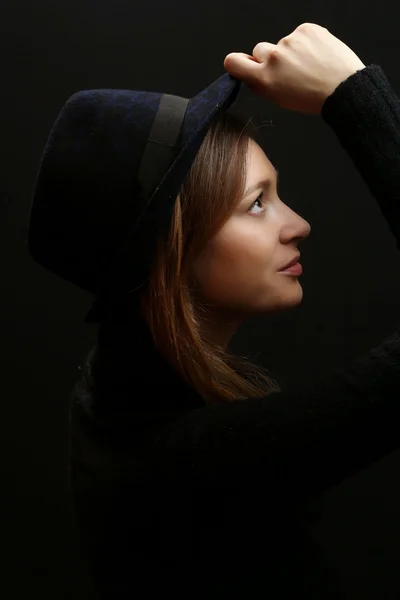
x: 258, y: 201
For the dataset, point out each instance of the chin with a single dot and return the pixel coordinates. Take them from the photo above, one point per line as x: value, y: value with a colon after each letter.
x: 286, y: 299
x: 295, y: 296
x: 290, y: 298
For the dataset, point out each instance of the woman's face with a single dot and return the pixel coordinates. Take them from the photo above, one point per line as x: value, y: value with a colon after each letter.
x: 238, y: 272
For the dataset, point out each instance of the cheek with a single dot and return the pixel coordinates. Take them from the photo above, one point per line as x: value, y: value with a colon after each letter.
x: 244, y: 249
x: 236, y: 260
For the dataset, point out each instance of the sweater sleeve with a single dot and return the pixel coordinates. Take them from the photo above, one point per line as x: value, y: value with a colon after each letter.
x: 364, y: 113
x: 301, y: 442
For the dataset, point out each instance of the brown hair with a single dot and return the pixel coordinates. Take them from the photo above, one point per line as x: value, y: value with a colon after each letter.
x: 210, y: 191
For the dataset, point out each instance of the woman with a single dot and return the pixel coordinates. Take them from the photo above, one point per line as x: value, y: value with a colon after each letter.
x: 191, y: 470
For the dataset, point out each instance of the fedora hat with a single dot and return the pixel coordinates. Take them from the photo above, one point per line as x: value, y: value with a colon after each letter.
x: 108, y: 179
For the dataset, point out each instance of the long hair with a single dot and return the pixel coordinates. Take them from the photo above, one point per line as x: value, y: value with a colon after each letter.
x: 207, y: 198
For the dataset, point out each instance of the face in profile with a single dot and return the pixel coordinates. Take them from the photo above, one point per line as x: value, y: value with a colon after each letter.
x: 239, y: 272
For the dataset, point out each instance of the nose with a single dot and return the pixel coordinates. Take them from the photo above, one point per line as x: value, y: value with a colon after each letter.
x: 304, y: 228
x: 294, y: 227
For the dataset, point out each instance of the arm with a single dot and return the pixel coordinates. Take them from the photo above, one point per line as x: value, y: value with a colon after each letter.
x: 303, y: 442
x: 364, y: 113
x: 299, y: 442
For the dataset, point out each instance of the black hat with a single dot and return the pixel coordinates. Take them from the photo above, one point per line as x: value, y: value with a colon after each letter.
x: 108, y: 179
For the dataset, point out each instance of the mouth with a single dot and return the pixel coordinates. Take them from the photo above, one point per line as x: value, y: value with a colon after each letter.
x: 291, y: 263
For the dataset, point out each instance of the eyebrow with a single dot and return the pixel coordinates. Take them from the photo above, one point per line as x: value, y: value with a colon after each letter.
x: 261, y: 183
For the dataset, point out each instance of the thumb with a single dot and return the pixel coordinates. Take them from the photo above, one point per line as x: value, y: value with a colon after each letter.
x: 247, y: 67
x: 242, y: 66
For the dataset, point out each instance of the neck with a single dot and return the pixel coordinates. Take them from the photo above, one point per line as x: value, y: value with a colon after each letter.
x: 219, y: 329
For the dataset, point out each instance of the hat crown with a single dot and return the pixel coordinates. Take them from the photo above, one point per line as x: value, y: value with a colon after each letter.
x: 92, y: 185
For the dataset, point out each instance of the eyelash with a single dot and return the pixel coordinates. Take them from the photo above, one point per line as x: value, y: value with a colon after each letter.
x: 258, y: 200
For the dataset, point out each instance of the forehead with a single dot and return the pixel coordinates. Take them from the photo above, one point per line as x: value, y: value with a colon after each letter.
x: 258, y: 164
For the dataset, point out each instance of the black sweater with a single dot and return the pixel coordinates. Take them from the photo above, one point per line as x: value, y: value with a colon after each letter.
x: 184, y: 499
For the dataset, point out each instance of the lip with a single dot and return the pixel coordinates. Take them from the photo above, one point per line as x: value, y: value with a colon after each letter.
x: 295, y: 269
x: 291, y: 263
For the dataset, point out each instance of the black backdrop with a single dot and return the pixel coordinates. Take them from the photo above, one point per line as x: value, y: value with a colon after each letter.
x: 351, y: 277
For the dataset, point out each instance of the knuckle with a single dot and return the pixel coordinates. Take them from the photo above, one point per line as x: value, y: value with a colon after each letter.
x: 305, y: 27
x: 260, y: 48
x: 274, y: 55
x: 285, y: 41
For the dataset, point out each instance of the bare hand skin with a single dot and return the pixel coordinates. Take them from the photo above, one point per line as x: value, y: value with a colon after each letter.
x: 300, y: 71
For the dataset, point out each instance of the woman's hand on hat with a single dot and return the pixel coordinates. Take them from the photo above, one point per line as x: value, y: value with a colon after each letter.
x: 300, y: 71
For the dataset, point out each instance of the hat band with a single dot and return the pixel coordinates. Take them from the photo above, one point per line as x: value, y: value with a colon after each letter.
x: 157, y: 157
x: 159, y: 152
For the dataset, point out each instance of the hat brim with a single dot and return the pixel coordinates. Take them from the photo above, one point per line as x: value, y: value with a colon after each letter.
x: 201, y: 111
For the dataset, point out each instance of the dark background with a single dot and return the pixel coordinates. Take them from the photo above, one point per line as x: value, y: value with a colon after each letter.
x: 49, y: 50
